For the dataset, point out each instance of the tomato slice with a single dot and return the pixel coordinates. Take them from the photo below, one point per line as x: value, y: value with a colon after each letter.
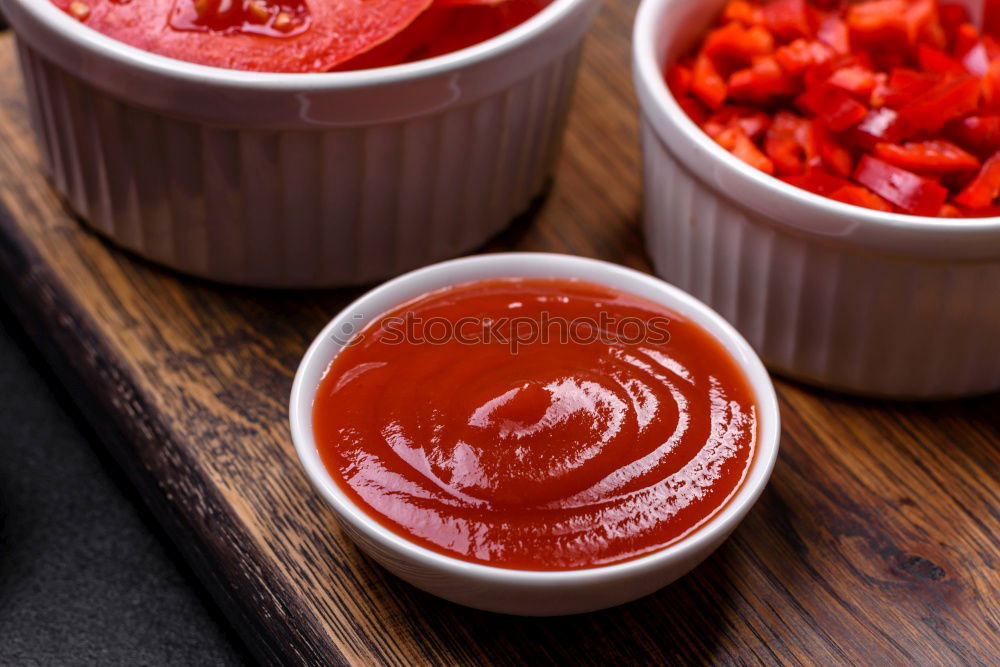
x: 330, y: 31
x: 410, y: 44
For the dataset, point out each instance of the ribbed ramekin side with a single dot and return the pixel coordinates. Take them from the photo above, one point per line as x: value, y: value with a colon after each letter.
x: 299, y: 208
x: 818, y: 309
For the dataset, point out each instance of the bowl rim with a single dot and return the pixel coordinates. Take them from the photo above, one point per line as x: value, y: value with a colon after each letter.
x: 466, y: 269
x: 90, y: 40
x: 685, y: 138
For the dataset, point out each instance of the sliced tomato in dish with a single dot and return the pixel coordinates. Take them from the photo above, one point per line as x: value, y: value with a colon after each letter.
x: 328, y: 33
x: 409, y: 45
x: 473, y: 24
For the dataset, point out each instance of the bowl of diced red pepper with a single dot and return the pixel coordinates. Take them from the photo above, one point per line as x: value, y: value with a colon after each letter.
x: 892, y: 105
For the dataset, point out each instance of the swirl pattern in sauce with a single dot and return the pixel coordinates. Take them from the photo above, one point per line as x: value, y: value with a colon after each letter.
x: 608, y: 429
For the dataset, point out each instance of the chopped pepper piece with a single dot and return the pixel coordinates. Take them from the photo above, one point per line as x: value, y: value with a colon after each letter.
x: 787, y: 19
x: 985, y: 187
x: 789, y: 142
x: 733, y: 45
x: 935, y: 156
x: 833, y: 106
x: 761, y: 82
x: 706, y: 82
x: 802, y: 54
x: 817, y: 181
x: 953, y: 97
x: 736, y: 141
x: 910, y: 192
x: 859, y: 196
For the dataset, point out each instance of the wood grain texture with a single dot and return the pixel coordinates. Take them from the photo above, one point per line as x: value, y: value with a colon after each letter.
x: 877, y: 541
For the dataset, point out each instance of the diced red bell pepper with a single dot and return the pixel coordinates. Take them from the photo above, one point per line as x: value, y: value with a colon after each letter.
x: 735, y: 140
x: 878, y: 125
x: 789, y: 142
x: 980, y: 134
x: 761, y: 82
x: 949, y: 211
x: 906, y: 84
x: 880, y: 90
x: 742, y: 11
x: 706, y: 82
x: 934, y: 156
x: 921, y: 22
x: 753, y: 121
x: 966, y: 36
x: 984, y: 188
x: 733, y: 46
x: 988, y: 212
x: 834, y: 33
x: 953, y: 97
x: 990, y: 86
x: 802, y: 54
x: 833, y: 106
x: 859, y: 196
x: 910, y: 192
x: 952, y: 15
x: 991, y: 18
x: 876, y: 20
x: 831, y: 153
x: 932, y: 60
x: 787, y: 19
x: 679, y: 79
x: 923, y: 17
x: 854, y: 79
x: 695, y: 110
x: 816, y: 181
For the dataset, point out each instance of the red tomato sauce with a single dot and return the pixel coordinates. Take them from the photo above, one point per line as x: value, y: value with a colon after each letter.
x: 536, y: 424
x: 301, y: 35
x: 893, y: 105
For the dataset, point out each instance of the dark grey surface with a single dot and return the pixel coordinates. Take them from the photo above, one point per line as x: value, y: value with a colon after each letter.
x: 85, y: 575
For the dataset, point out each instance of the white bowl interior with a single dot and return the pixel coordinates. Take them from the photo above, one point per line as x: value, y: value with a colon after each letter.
x: 538, y: 265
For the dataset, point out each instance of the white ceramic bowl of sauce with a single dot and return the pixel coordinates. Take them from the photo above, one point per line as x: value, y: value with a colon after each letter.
x: 516, y: 591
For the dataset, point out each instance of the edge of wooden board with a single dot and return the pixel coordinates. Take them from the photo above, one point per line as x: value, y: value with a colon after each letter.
x: 104, y: 392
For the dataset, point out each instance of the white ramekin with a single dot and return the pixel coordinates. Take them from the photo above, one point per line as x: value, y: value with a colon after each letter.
x: 301, y: 180
x: 515, y: 591
x: 841, y: 296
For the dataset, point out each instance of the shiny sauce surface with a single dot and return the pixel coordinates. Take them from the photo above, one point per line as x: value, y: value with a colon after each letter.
x: 538, y: 424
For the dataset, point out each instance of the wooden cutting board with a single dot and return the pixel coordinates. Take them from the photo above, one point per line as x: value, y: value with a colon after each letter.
x: 878, y: 538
